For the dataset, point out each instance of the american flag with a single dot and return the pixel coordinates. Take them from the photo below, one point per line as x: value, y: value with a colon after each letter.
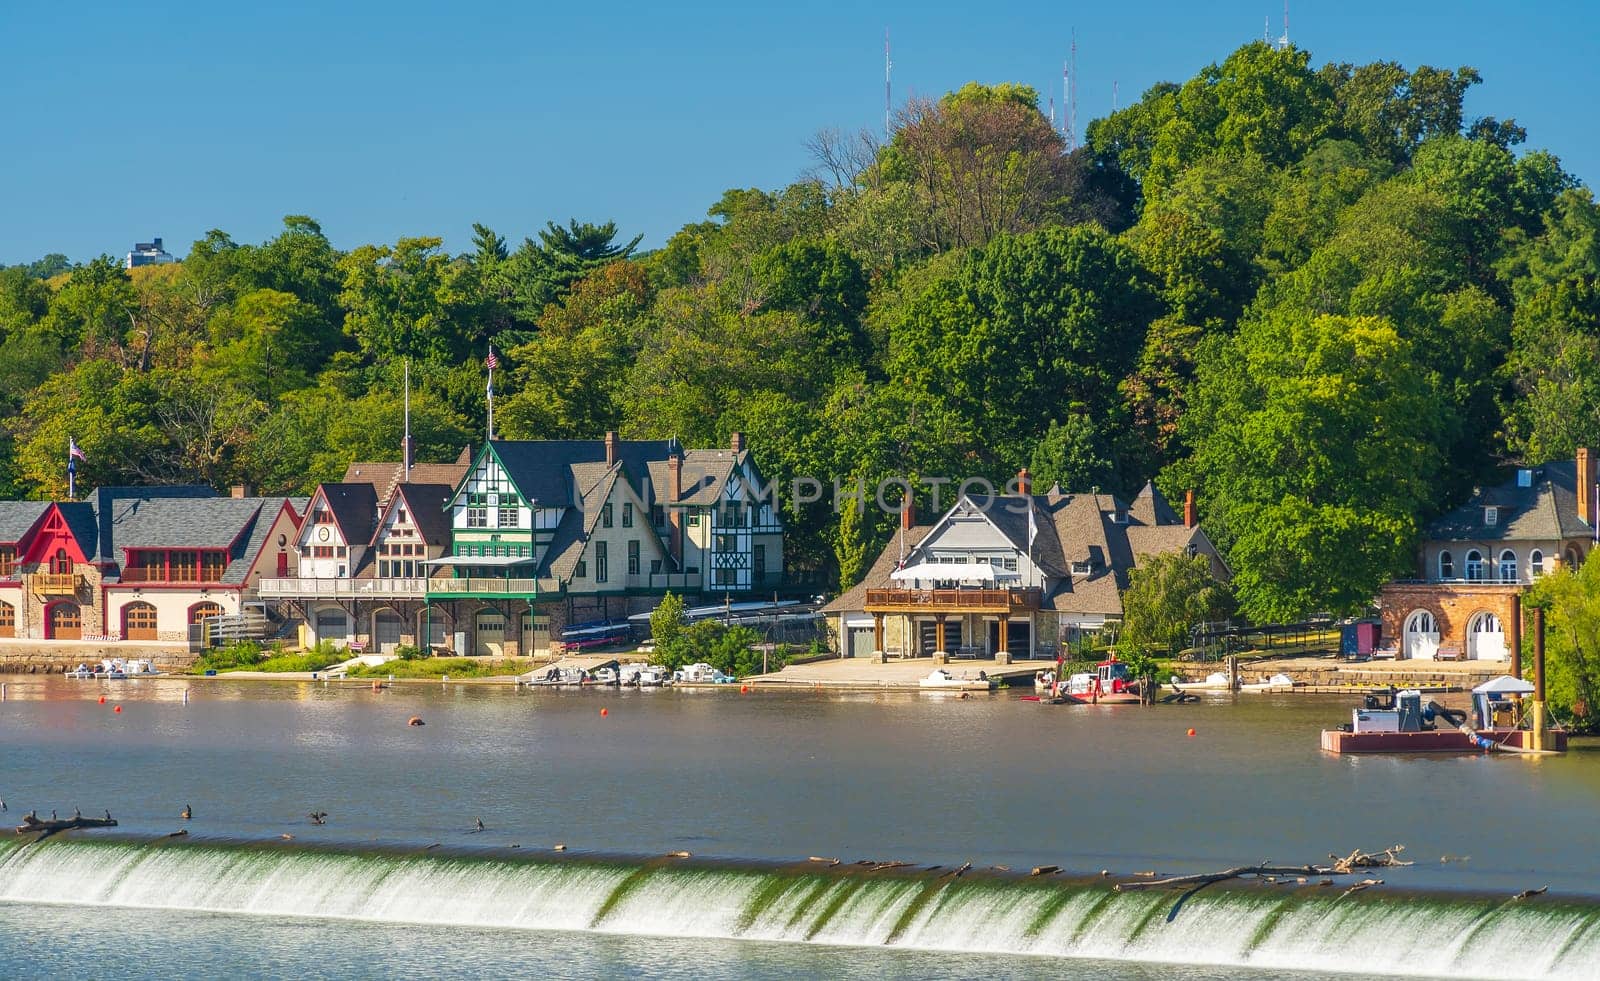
x: 73, y: 452
x: 491, y: 362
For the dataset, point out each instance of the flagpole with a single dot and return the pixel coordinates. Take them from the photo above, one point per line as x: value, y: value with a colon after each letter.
x: 490, y: 363
x: 406, y: 448
x: 72, y: 474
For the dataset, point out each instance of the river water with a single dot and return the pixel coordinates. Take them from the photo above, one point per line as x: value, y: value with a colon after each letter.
x: 756, y: 783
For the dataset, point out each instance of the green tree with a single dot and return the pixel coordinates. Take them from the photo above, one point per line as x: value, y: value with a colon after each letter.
x: 1571, y: 600
x: 1069, y: 454
x: 666, y: 621
x: 1317, y: 445
x: 1167, y: 595
x: 408, y: 300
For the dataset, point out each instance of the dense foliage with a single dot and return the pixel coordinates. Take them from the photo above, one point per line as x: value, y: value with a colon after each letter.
x: 1321, y: 297
x: 1167, y: 596
x: 1571, y: 601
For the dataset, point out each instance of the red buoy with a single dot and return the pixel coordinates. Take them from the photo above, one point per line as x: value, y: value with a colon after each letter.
x: 744, y: 689
x: 102, y: 699
x: 117, y: 709
x: 1191, y: 732
x: 604, y: 713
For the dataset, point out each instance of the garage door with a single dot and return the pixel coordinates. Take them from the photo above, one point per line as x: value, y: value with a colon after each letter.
x: 861, y: 641
x: 332, y: 626
x: 139, y: 621
x: 386, y: 630
x: 490, y: 636
x: 66, y: 622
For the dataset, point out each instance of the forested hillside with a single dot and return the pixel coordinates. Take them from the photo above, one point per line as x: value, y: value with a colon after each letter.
x: 1318, y: 296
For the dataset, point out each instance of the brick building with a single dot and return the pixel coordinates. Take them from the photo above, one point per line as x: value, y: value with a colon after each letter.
x: 1475, y: 563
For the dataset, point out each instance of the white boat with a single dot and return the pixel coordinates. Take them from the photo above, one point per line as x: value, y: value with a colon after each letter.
x: 653, y: 676
x: 140, y: 668
x: 605, y: 676
x: 111, y: 669
x: 81, y: 671
x: 942, y: 678
x: 1215, y: 681
x: 1277, y: 683
x: 701, y: 674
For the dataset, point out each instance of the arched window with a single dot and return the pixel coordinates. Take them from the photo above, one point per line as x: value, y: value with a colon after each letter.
x: 1421, y: 622
x: 1447, y: 565
x: 60, y: 563
x: 1474, y: 566
x: 1572, y: 558
x: 1508, y: 566
x: 1535, y: 564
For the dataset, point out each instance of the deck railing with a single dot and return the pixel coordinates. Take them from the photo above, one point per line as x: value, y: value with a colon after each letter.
x: 469, y: 587
x: 954, y: 600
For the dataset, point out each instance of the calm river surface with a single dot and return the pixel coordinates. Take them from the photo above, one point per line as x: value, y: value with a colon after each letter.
x: 763, y: 776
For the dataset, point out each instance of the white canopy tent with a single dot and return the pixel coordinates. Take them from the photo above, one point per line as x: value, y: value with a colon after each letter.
x: 1504, y: 685
x: 947, y: 571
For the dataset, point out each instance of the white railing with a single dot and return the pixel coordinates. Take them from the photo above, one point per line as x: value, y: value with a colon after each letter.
x: 344, y: 588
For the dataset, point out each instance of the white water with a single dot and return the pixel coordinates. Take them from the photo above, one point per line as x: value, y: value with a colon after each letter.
x: 1308, y: 928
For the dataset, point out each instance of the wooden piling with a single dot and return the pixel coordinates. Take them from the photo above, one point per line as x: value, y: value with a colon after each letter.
x: 1516, y: 635
x: 1538, y: 679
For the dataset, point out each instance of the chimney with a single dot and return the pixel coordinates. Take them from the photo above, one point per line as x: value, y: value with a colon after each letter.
x: 737, y: 442
x: 1190, y: 517
x: 242, y: 491
x: 1585, y: 488
x: 908, y: 514
x: 675, y: 513
x: 611, y: 446
x: 1024, y: 482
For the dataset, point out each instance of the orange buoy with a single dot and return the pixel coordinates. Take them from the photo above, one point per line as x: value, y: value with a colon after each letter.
x: 102, y: 699
x: 604, y: 713
x: 117, y: 709
x: 1191, y: 732
x: 744, y: 689
x: 415, y: 720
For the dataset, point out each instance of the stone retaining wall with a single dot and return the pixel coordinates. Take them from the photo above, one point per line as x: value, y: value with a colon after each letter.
x: 61, y: 659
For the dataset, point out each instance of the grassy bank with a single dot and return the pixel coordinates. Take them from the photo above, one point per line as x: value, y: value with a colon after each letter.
x: 250, y: 656
x: 438, y: 667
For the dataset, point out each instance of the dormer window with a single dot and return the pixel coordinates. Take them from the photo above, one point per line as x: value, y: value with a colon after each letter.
x: 1119, y: 517
x: 1491, y: 516
x: 1447, y: 565
x: 1082, y: 568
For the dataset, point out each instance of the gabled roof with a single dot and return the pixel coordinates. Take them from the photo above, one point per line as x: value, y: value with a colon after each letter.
x: 18, y: 518
x: 354, y: 507
x: 543, y: 470
x: 427, y: 505
x: 1545, y: 510
x: 577, y: 524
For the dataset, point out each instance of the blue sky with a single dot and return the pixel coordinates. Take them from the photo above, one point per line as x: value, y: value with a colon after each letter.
x: 129, y: 120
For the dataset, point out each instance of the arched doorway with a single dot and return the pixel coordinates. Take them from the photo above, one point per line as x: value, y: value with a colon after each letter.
x: 201, y: 612
x: 139, y: 621
x: 65, y: 622
x: 1421, y: 636
x: 489, y: 634
x: 386, y: 629
x: 1486, y: 640
x: 8, y: 620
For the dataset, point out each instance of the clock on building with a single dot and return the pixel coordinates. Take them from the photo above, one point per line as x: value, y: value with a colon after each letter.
x: 322, y: 533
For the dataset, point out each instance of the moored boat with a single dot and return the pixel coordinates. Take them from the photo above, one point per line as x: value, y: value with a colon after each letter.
x: 1279, y: 682
x: 1215, y: 681
x: 1110, y: 683
x: 942, y: 678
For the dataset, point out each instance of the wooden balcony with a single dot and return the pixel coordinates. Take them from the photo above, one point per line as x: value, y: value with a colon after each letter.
x: 56, y: 583
x: 932, y: 601
x: 161, y: 574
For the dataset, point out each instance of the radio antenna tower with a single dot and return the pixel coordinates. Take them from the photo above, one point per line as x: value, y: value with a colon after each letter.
x: 1283, y: 42
x: 888, y: 66
x: 1069, y: 96
x: 1052, y: 110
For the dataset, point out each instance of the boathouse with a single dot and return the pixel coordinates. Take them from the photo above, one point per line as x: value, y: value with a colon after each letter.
x: 1011, y: 575
x: 1474, y: 563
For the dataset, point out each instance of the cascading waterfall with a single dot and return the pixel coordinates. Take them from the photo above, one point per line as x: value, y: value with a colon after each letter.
x: 1259, y: 927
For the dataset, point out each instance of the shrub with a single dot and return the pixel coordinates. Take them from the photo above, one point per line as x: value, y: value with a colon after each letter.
x: 410, y: 652
x: 240, y: 654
